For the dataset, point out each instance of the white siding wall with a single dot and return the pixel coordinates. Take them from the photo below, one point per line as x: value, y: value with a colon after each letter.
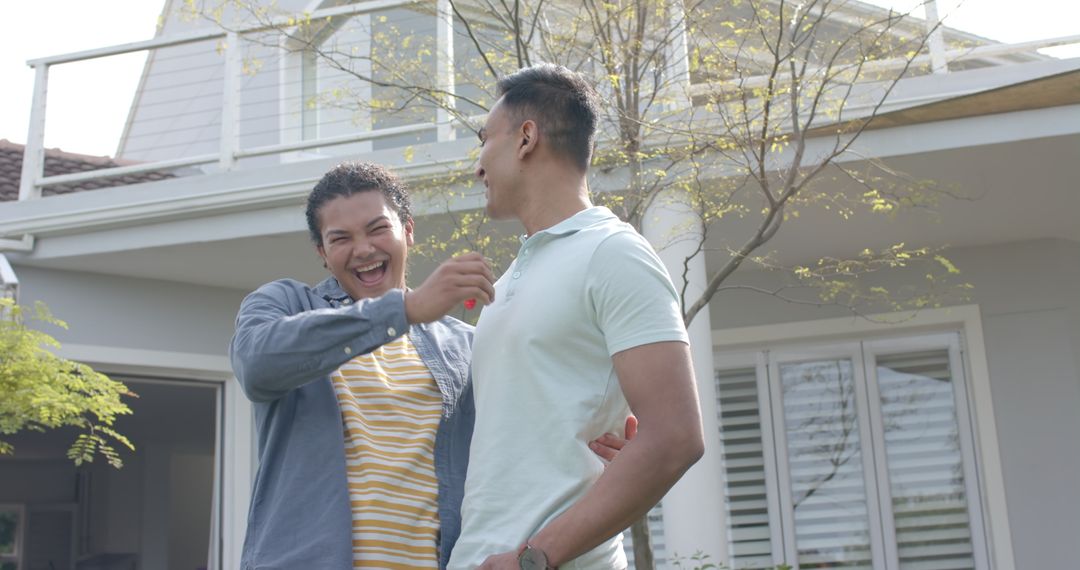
x: 143, y: 314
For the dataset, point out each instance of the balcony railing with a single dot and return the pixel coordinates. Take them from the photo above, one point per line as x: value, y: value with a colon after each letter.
x: 225, y: 141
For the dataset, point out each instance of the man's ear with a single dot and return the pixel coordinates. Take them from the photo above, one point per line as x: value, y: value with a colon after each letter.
x: 322, y: 253
x: 530, y: 136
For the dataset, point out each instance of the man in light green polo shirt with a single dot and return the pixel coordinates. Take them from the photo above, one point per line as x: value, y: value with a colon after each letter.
x: 585, y: 327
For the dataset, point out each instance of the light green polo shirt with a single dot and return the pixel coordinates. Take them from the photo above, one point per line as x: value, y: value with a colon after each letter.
x: 544, y: 381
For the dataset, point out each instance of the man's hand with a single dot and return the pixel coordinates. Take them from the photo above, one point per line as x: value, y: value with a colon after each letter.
x: 504, y: 561
x: 608, y: 445
x: 466, y: 276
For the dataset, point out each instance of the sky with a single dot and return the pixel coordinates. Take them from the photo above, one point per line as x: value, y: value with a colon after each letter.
x: 88, y: 101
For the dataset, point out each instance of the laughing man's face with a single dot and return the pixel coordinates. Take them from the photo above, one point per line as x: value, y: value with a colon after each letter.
x: 364, y: 244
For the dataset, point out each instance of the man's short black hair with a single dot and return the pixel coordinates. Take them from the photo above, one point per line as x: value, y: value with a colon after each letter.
x: 353, y: 177
x: 563, y: 104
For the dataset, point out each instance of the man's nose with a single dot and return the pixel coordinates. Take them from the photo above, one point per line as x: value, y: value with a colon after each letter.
x: 363, y: 248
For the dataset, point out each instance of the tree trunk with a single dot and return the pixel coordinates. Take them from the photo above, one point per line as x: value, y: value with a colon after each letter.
x: 643, y: 552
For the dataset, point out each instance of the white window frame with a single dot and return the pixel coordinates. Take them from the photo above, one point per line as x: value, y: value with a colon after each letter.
x: 298, y: 78
x: 20, y: 533
x: 735, y: 348
x: 805, y: 353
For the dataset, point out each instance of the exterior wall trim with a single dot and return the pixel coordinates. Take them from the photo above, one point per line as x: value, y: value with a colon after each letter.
x: 159, y: 363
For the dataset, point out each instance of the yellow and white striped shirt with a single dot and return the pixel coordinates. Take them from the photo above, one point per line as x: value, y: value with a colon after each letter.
x: 391, y: 408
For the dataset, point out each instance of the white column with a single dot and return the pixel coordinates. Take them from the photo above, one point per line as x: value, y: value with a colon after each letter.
x: 694, y: 515
x: 678, y: 73
x: 291, y: 102
x: 33, y: 166
x: 230, y: 104
x: 937, y: 38
x: 444, y: 68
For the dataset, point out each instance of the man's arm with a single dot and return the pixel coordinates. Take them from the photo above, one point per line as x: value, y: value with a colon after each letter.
x: 658, y: 382
x: 278, y: 346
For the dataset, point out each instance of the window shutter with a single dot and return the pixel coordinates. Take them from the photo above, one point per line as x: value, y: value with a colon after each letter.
x: 825, y: 459
x: 745, y: 496
x: 925, y: 462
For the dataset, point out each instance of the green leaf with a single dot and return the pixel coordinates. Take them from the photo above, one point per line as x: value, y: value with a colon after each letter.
x: 41, y: 391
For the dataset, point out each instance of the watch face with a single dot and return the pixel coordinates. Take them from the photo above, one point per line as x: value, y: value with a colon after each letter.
x: 532, y: 559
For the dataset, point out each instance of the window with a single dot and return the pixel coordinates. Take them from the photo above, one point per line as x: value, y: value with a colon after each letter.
x: 11, y: 525
x: 857, y: 455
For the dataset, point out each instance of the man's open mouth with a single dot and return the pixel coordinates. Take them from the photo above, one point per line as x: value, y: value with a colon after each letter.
x: 372, y: 273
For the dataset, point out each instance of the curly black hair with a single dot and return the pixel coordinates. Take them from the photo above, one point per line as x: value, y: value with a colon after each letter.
x: 353, y: 177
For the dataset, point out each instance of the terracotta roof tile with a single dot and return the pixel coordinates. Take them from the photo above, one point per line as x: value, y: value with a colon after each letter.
x: 59, y: 162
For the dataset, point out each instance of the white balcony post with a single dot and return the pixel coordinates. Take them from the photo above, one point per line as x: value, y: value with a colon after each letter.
x: 444, y: 69
x: 678, y: 58
x: 937, y: 38
x: 695, y: 518
x: 230, y: 102
x: 33, y: 165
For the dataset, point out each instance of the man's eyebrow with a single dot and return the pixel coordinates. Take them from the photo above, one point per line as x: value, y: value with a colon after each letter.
x: 382, y: 218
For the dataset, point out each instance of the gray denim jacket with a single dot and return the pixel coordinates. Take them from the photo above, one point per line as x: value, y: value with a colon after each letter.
x: 289, y: 338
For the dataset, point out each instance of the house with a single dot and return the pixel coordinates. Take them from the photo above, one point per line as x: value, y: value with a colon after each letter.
x: 957, y: 429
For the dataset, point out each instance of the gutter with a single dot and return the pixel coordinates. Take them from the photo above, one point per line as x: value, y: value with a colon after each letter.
x: 25, y: 244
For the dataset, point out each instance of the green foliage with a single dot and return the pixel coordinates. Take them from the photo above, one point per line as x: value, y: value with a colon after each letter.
x: 41, y: 391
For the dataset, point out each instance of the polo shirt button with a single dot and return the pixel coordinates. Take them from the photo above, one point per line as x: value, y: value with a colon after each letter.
x: 391, y: 331
x: 517, y: 274
x: 347, y: 301
x: 348, y: 350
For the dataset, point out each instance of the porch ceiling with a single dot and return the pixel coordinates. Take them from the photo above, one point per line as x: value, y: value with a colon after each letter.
x: 1008, y: 192
x: 1020, y: 191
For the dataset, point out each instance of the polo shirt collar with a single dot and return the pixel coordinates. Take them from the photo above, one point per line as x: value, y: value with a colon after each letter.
x: 579, y: 221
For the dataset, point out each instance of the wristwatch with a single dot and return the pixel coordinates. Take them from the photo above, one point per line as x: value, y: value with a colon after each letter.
x: 532, y: 558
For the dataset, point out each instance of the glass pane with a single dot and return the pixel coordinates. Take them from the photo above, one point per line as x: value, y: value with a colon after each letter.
x: 747, y: 505
x: 9, y: 524
x: 825, y: 463
x: 8, y: 566
x: 926, y: 472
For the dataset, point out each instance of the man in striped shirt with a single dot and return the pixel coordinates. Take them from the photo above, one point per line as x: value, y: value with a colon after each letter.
x: 363, y: 408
